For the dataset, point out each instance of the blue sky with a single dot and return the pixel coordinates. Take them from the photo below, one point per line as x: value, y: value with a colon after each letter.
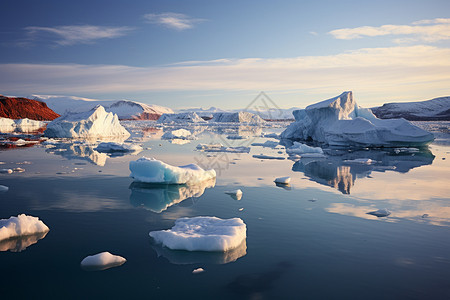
x: 204, y: 53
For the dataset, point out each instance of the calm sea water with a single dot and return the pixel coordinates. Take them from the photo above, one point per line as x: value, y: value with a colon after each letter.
x: 311, y: 240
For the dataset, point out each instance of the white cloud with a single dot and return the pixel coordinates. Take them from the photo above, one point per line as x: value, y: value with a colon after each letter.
x: 173, y: 20
x: 421, y: 31
x: 393, y: 73
x: 76, y: 34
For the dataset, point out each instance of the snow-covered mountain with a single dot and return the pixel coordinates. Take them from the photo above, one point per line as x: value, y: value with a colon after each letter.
x: 437, y: 109
x: 125, y: 109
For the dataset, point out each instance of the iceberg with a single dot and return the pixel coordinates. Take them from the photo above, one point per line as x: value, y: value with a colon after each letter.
x: 283, y: 180
x: 236, y: 195
x: 221, y: 148
x: 94, y: 123
x: 305, y: 150
x: 20, y: 125
x: 237, y: 117
x: 198, y: 270
x: 267, y: 144
x: 188, y: 117
x: 155, y: 171
x: 20, y: 226
x: 203, y: 234
x: 178, y: 134
x: 110, y: 147
x: 102, y: 261
x: 263, y: 156
x: 341, y: 122
x: 380, y: 213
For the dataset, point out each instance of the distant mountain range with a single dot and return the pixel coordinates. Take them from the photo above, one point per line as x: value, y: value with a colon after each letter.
x: 437, y: 109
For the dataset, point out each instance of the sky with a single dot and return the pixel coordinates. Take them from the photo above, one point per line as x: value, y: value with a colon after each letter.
x: 193, y: 53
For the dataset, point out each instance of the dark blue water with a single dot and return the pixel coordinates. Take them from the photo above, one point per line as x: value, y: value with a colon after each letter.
x: 314, y: 240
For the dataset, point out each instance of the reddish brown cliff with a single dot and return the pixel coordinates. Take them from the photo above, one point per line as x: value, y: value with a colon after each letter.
x: 20, y: 108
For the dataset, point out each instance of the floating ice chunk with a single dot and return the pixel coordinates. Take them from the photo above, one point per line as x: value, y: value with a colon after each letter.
x: 152, y: 170
x: 268, y: 144
x: 404, y: 149
x: 380, y: 213
x: 198, y: 270
x: 3, y: 188
x: 7, y: 125
x: 209, y: 146
x: 6, y: 171
x: 188, y: 117
x: 236, y: 195
x: 237, y: 137
x: 20, y: 125
x: 102, y: 261
x: 262, y: 156
x: 283, y: 180
x: 21, y: 225
x: 220, y: 148
x: 203, y: 234
x: 178, y: 134
x: 270, y: 135
x: 341, y: 122
x: 94, y: 123
x: 237, y: 117
x: 19, y: 170
x: 109, y: 147
x: 362, y: 161
x: 302, y: 149
x: 179, y: 141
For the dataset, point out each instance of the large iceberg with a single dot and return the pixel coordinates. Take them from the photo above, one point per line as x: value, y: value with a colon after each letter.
x: 20, y: 125
x: 155, y: 171
x: 339, y: 121
x: 237, y: 117
x: 20, y: 226
x: 94, y: 123
x: 203, y: 234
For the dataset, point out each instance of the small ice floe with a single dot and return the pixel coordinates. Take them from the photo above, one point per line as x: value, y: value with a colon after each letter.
x: 384, y: 212
x: 152, y: 170
x: 102, y: 261
x: 221, y: 148
x: 237, y: 137
x: 178, y: 134
x: 6, y: 171
x: 236, y: 195
x: 19, y: 170
x: 3, y: 188
x: 270, y: 135
x: 24, y: 163
x: 405, y: 149
x: 283, y: 180
x: 262, y: 156
x: 241, y: 209
x: 203, y: 234
x: 179, y: 141
x: 20, y: 226
x: 109, y: 147
x: 362, y: 161
x: 305, y: 150
x: 198, y: 270
x: 267, y: 144
x: 188, y: 117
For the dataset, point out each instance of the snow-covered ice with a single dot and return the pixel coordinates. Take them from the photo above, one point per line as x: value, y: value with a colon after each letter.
x: 102, y: 261
x: 267, y: 144
x: 237, y: 117
x: 21, y: 225
x: 203, y: 234
x: 236, y: 194
x: 198, y: 270
x: 20, y: 125
x: 340, y: 121
x: 178, y: 134
x: 109, y: 147
x: 283, y: 180
x: 305, y: 150
x: 94, y: 123
x: 263, y: 156
x: 152, y: 170
x: 3, y: 188
x: 380, y: 213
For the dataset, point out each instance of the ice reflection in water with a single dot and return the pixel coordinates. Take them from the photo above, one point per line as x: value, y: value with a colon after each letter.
x: 341, y: 169
x: 19, y: 244
x: 159, y: 197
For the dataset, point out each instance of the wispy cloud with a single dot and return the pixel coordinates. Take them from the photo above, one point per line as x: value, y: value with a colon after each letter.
x: 421, y: 31
x: 173, y: 20
x: 75, y: 34
x: 395, y: 72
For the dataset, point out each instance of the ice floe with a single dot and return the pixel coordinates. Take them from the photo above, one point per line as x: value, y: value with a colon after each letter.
x: 155, y: 171
x: 94, y: 123
x: 203, y: 234
x: 283, y: 180
x: 340, y: 121
x: 304, y: 150
x: 263, y: 156
x: 237, y: 117
x: 188, y: 117
x: 178, y: 134
x: 380, y: 213
x: 363, y: 161
x: 198, y: 270
x: 221, y: 148
x: 20, y: 226
x: 236, y: 194
x: 102, y: 261
x: 110, y: 147
x: 267, y: 144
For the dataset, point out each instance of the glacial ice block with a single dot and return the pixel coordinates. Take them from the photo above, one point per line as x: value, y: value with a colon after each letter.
x: 203, y: 234
x: 155, y: 171
x: 20, y: 226
x: 102, y: 261
x: 283, y: 180
x: 94, y: 123
x: 340, y: 121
